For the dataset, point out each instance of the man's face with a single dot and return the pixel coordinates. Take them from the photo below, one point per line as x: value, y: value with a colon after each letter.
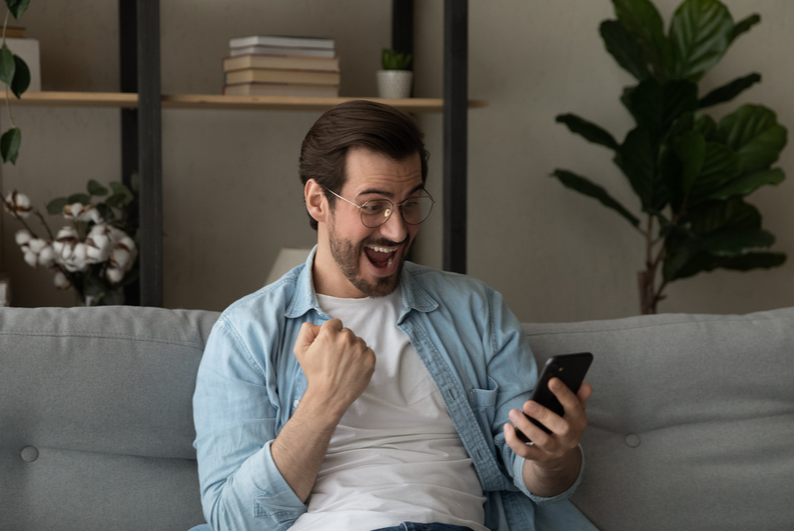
x: 368, y: 261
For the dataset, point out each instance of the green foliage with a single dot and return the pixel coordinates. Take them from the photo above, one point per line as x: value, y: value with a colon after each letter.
x: 690, y: 173
x: 393, y: 60
x: 16, y: 75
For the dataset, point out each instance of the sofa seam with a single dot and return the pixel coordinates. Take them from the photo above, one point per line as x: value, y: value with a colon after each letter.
x: 93, y: 335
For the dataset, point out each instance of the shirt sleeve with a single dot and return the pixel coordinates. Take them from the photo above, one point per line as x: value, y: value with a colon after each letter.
x: 235, y: 414
x: 514, y: 368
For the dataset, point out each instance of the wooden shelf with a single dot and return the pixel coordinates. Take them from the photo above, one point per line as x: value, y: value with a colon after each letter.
x: 214, y: 101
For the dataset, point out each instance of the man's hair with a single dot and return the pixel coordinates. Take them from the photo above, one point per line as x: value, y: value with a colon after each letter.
x: 379, y: 128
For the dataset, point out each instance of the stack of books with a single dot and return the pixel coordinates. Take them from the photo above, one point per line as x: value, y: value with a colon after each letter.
x: 276, y: 65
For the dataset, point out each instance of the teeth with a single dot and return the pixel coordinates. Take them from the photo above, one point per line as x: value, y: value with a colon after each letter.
x: 383, y: 249
x: 389, y: 263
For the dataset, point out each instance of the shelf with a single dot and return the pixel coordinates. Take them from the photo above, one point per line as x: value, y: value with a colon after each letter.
x: 214, y: 101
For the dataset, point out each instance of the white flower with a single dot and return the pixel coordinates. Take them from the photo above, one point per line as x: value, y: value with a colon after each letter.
x: 123, y: 254
x: 114, y: 274
x: 31, y: 258
x: 47, y: 256
x: 17, y: 204
x: 37, y: 244
x: 99, y: 243
x: 23, y: 236
x: 70, y: 252
x: 81, y: 212
x: 60, y: 281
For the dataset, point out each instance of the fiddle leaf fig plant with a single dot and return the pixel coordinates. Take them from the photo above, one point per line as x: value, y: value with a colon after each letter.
x: 690, y: 172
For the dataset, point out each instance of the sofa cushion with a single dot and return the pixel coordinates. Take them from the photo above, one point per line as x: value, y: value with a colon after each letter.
x: 96, y: 412
x: 691, y: 420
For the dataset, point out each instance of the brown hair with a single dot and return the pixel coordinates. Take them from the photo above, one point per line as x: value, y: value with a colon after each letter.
x: 374, y: 126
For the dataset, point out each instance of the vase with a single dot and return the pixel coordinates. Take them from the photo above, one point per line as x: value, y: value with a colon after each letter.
x: 394, y: 84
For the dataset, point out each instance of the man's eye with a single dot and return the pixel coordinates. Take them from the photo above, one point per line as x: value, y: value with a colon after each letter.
x: 373, y: 208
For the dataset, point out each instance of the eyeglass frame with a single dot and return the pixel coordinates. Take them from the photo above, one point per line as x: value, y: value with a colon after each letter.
x: 392, y: 210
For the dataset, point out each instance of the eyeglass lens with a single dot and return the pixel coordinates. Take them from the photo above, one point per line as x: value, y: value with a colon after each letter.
x: 414, y: 211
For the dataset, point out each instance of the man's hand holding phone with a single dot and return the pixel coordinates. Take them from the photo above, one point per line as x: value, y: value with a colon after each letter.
x: 553, y: 458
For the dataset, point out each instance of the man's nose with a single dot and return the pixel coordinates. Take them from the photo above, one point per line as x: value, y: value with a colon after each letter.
x: 395, y: 228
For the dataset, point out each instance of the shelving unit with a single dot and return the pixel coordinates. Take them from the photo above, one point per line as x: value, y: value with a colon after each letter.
x: 141, y: 102
x: 126, y: 100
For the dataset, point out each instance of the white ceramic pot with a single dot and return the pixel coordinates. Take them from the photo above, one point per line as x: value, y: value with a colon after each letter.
x: 394, y: 83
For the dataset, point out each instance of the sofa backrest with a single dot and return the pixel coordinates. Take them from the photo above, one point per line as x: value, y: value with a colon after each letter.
x: 96, y: 430
x: 691, y: 420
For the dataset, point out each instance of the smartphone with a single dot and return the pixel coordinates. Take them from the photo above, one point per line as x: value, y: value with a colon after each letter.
x: 570, y: 369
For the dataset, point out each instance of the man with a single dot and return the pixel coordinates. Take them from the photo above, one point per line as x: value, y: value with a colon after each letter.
x: 361, y: 391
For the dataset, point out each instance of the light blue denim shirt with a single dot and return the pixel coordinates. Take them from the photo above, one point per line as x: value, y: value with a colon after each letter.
x: 250, y: 383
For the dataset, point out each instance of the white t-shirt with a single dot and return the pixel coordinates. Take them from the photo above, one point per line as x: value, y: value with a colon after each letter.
x: 395, y: 455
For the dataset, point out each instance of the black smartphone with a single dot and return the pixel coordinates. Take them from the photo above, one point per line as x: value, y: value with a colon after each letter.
x: 570, y: 369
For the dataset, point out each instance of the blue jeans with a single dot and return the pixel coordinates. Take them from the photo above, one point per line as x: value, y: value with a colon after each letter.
x: 414, y: 526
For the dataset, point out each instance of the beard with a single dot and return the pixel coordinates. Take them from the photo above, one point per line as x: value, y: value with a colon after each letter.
x: 348, y: 255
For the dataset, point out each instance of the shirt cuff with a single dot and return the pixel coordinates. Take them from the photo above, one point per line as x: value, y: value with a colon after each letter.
x: 275, y: 498
x: 518, y: 480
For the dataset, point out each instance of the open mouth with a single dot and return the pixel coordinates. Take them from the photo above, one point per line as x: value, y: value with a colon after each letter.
x: 382, y: 258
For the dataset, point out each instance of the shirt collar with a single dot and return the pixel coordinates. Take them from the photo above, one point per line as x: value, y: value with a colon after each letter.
x: 305, y: 298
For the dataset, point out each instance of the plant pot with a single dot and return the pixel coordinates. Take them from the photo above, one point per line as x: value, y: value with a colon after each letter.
x: 394, y: 83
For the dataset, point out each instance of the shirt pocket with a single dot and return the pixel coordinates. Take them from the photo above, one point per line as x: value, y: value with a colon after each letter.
x: 484, y: 398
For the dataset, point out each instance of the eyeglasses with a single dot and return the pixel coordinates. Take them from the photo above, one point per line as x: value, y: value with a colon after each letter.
x: 376, y: 212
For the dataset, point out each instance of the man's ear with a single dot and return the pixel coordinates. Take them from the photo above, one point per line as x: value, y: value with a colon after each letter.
x: 316, y: 202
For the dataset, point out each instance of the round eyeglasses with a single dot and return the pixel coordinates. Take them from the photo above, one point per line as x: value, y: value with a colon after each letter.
x: 376, y: 212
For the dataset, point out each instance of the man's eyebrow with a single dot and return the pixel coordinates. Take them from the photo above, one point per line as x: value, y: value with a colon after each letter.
x: 388, y: 194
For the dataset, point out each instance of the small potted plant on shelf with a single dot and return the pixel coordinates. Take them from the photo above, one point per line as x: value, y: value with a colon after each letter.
x: 394, y: 81
x: 95, y: 254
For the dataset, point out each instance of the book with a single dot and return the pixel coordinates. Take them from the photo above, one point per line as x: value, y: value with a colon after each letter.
x: 273, y: 75
x: 282, y: 50
x: 299, y: 62
x: 281, y: 89
x: 282, y: 40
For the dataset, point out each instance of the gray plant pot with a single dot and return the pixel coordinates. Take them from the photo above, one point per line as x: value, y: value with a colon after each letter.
x: 394, y: 83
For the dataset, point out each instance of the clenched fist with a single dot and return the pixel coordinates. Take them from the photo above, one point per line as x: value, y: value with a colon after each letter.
x: 337, y: 364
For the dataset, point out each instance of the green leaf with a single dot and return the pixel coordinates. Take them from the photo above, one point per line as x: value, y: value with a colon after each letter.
x: 656, y: 106
x: 591, y: 132
x: 704, y: 262
x: 9, y: 145
x: 17, y: 7
x: 94, y: 188
x: 720, y: 215
x: 707, y: 127
x: 125, y: 195
x: 586, y: 187
x: 642, y: 20
x: 744, y: 25
x: 55, y: 206
x: 700, y: 33
x: 729, y: 91
x: 21, y: 80
x: 753, y: 132
x: 83, y: 199
x: 733, y: 242
x: 624, y: 48
x: 7, y: 66
x: 636, y: 158
x: 721, y: 166
x: 746, y: 184
x: 750, y: 261
x: 691, y: 149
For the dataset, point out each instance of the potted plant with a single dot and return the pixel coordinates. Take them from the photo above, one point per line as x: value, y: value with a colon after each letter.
x: 394, y: 81
x: 690, y: 172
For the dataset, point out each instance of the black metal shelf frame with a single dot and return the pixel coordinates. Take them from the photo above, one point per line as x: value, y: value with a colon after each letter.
x: 139, y: 46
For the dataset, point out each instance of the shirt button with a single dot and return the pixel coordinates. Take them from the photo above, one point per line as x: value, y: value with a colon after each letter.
x: 632, y: 440
x: 29, y: 454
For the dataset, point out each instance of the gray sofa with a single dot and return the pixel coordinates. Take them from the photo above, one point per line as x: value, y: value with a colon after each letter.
x: 691, y: 423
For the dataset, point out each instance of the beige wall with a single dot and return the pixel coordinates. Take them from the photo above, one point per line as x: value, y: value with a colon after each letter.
x: 231, y: 191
